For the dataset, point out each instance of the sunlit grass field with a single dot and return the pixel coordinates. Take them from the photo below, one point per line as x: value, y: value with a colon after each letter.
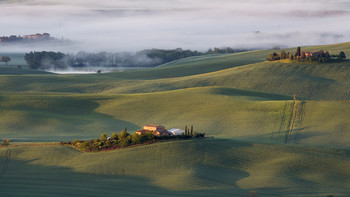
x: 241, y: 100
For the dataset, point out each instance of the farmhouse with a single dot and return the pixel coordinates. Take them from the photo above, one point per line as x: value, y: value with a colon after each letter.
x: 157, y: 130
x: 310, y: 54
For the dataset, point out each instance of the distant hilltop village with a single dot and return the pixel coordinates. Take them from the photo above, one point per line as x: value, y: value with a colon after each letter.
x: 26, y: 38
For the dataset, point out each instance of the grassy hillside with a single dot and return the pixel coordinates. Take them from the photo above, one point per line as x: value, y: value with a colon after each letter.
x: 219, y: 112
x: 39, y: 106
x: 209, y: 167
x: 231, y: 97
x: 311, y: 81
x: 243, y: 71
x: 19, y: 71
x: 55, y: 116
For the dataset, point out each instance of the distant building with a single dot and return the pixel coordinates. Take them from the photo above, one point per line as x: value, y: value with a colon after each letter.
x: 157, y: 130
x: 36, y: 36
x: 311, y: 54
x: 142, y: 132
x: 26, y: 38
x: 176, y: 132
x: 29, y: 36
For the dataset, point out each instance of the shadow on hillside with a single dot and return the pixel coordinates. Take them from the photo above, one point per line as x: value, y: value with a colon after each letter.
x: 23, y: 178
x: 216, y: 168
x: 51, y: 118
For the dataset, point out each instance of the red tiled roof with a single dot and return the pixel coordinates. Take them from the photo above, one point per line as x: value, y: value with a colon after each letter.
x: 142, y: 130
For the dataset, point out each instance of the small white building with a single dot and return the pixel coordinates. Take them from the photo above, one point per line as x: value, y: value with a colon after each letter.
x: 176, y: 132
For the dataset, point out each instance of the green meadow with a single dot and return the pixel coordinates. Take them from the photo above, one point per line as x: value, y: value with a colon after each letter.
x: 211, y: 167
x: 242, y: 101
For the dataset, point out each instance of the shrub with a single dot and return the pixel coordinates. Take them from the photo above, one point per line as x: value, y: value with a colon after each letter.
x: 5, y: 142
x: 136, y: 138
x: 114, y: 136
x: 103, y: 137
x: 123, y: 134
x: 75, y: 141
x: 125, y: 142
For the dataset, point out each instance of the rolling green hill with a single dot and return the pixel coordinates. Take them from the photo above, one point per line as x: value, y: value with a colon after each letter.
x: 209, y: 167
x: 241, y: 100
x: 69, y: 116
x: 39, y: 106
x: 246, y: 70
x: 219, y: 112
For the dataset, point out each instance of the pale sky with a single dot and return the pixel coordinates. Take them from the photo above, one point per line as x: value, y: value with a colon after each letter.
x: 128, y: 25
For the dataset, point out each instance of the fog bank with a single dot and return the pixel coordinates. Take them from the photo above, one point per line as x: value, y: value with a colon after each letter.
x: 125, y: 25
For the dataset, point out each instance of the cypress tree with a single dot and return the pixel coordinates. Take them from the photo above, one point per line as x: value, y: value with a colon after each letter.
x: 191, y: 130
x: 298, y: 52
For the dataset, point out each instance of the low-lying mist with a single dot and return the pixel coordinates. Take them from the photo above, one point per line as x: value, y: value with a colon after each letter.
x: 89, y: 70
x: 88, y: 62
x: 126, y: 25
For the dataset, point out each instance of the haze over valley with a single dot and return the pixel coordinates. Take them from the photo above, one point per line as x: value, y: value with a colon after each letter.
x: 115, y: 26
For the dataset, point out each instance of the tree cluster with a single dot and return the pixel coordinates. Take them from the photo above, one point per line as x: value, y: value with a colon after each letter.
x: 191, y: 133
x: 46, y: 60
x: 301, y: 56
x: 223, y: 50
x: 124, y: 139
x: 144, y: 58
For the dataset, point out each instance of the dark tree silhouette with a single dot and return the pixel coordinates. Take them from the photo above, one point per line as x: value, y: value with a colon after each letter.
x: 5, y: 59
x: 283, y: 55
x: 298, y: 53
x: 342, y: 55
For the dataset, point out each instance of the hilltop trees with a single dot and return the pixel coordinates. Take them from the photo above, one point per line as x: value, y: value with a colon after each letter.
x: 5, y: 59
x: 342, y: 55
x: 273, y: 57
x: 283, y: 55
x: 302, y: 56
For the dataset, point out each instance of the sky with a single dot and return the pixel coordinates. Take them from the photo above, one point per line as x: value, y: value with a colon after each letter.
x: 130, y: 25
